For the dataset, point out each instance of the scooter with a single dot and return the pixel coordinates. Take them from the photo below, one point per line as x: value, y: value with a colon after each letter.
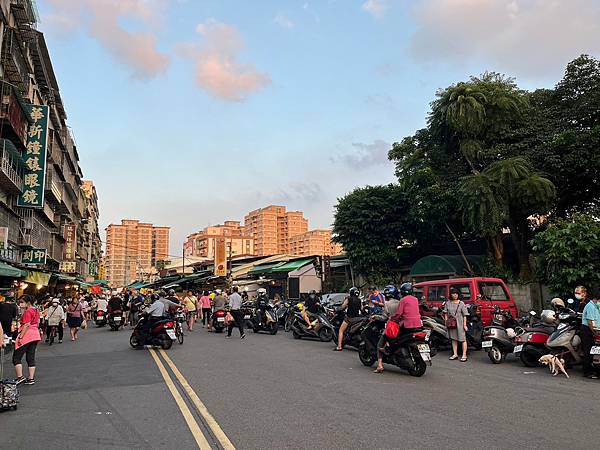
x: 474, y: 333
x: 352, y: 335
x: 531, y: 345
x: 409, y: 351
x: 565, y: 341
x: 434, y: 322
x: 218, y: 320
x: 162, y: 334
x: 100, y: 318
x: 268, y: 323
x: 499, y: 338
x: 115, y: 320
x: 321, y: 327
x: 595, y: 350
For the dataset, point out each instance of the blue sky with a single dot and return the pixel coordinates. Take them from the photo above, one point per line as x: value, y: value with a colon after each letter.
x: 192, y: 112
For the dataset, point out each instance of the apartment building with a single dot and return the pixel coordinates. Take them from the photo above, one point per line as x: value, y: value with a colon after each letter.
x: 133, y: 249
x: 272, y: 228
x: 202, y: 244
x: 315, y: 242
x: 42, y: 203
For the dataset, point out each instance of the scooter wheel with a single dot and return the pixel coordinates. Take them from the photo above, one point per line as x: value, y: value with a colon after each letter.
x: 133, y: 341
x: 419, y: 369
x: 366, y: 357
x: 528, y: 360
x: 274, y: 328
x: 296, y: 334
x: 496, y: 355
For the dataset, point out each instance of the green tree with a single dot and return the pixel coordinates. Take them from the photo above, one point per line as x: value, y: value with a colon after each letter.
x: 568, y: 253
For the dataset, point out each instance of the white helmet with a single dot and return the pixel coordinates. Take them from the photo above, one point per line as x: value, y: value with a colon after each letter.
x: 261, y: 291
x: 548, y: 316
x: 511, y: 333
x: 557, y: 304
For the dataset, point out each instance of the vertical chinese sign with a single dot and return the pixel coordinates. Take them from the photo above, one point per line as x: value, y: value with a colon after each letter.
x: 70, y: 247
x: 220, y: 258
x: 35, y: 158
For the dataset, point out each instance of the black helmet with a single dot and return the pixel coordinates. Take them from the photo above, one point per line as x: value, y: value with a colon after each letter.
x: 391, y: 291
x: 312, y: 293
x: 171, y: 292
x: 354, y: 292
x: 154, y: 297
x: 406, y: 289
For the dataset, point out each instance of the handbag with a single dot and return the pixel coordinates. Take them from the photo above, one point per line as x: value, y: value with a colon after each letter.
x: 451, y: 322
x: 392, y: 329
x: 228, y: 318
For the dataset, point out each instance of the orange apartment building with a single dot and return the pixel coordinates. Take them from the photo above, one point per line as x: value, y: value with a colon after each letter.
x: 202, y: 244
x: 315, y: 242
x: 132, y: 250
x: 272, y: 228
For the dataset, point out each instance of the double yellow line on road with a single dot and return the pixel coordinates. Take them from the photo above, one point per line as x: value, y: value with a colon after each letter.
x: 195, y: 429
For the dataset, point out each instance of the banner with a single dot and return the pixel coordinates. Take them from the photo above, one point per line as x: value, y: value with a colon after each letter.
x: 38, y: 278
x: 68, y: 267
x: 220, y: 258
x: 34, y: 176
x: 34, y: 256
x: 70, y: 242
x: 3, y: 238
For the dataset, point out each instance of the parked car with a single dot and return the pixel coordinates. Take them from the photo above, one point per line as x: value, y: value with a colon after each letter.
x: 487, y: 293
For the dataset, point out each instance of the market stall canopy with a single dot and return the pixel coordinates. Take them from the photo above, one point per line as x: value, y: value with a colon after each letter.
x: 291, y: 265
x: 445, y: 266
x: 245, y: 269
x: 195, y: 278
x: 6, y: 270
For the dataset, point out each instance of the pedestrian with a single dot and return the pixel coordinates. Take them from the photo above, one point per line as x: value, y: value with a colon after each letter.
x: 590, y: 325
x: 27, y: 340
x: 55, y: 315
x: 235, y: 305
x: 74, y: 317
x: 581, y: 295
x: 190, y: 305
x: 376, y: 301
x: 8, y: 313
x: 85, y: 308
x: 455, y: 316
x: 205, y: 304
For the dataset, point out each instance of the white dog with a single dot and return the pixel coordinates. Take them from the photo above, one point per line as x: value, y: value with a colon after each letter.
x: 556, y: 364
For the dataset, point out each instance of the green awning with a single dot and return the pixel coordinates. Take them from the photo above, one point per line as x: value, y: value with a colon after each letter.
x: 445, y: 265
x: 136, y: 285
x: 264, y: 268
x: 6, y: 270
x: 290, y: 266
x: 97, y: 282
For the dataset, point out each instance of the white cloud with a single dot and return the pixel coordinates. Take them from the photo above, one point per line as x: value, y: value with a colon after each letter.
x: 366, y: 155
x: 377, y: 8
x: 284, y: 21
x: 218, y: 70
x: 524, y: 37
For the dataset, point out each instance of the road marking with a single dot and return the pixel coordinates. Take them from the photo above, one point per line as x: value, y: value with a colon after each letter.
x: 187, y: 414
x: 209, y: 419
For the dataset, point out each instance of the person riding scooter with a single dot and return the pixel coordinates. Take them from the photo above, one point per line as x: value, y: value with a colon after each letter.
x: 352, y: 305
x: 311, y: 306
x: 262, y: 301
x: 408, y: 317
x: 152, y: 314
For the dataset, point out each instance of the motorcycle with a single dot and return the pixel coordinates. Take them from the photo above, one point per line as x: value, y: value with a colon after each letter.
x: 531, y: 345
x: 248, y: 311
x: 352, y: 335
x: 565, y: 341
x: 595, y: 350
x: 321, y: 327
x: 162, y: 334
x: 268, y: 323
x: 179, y: 318
x: 218, y: 320
x: 409, y: 351
x: 100, y: 318
x: 434, y: 322
x: 474, y: 331
x: 115, y: 320
x: 283, y: 310
x: 499, y: 337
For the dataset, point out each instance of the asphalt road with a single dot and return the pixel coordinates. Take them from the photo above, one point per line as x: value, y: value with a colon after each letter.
x: 274, y: 392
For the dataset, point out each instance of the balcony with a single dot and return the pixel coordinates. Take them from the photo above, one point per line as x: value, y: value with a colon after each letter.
x: 54, y: 187
x: 13, y: 114
x: 34, y: 233
x: 11, y: 179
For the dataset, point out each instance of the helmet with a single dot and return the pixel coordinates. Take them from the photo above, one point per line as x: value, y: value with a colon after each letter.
x: 261, y: 291
x: 354, y: 292
x: 406, y: 289
x: 154, y: 297
x: 548, y: 316
x: 391, y: 292
x: 218, y: 291
x: 171, y: 292
x: 557, y: 304
x: 312, y: 293
x: 510, y: 332
x: 300, y: 307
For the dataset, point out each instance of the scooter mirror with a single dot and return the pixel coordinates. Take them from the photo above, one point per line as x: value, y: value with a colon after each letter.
x: 570, y: 301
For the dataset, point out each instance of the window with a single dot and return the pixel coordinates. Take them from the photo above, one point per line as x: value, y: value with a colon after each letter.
x: 465, y: 291
x: 493, y: 291
x: 436, y: 294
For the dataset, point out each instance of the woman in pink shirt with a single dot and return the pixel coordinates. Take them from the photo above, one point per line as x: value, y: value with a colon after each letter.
x: 205, y: 305
x: 27, y: 339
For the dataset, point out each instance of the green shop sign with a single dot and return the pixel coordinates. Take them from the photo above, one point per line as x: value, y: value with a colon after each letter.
x: 35, y: 158
x: 34, y: 256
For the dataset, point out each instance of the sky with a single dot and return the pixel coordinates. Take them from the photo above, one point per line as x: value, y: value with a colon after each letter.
x: 191, y: 112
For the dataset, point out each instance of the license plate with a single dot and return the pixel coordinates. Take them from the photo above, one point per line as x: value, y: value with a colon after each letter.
x: 172, y: 334
x: 595, y: 350
x: 423, y: 348
x: 425, y: 356
x: 486, y: 344
x: 220, y: 319
x: 117, y: 319
x: 246, y: 317
x: 518, y: 349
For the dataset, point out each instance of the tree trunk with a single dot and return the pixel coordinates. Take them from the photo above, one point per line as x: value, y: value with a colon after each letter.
x: 519, y: 232
x: 496, y: 246
x: 460, y: 249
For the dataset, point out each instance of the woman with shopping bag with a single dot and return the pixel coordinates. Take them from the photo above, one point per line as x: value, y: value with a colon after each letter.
x: 27, y: 340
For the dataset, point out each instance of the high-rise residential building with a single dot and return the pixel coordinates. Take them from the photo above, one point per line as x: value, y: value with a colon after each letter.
x: 272, y: 227
x: 91, y: 230
x: 133, y: 249
x: 42, y: 203
x: 202, y: 244
x: 314, y: 242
